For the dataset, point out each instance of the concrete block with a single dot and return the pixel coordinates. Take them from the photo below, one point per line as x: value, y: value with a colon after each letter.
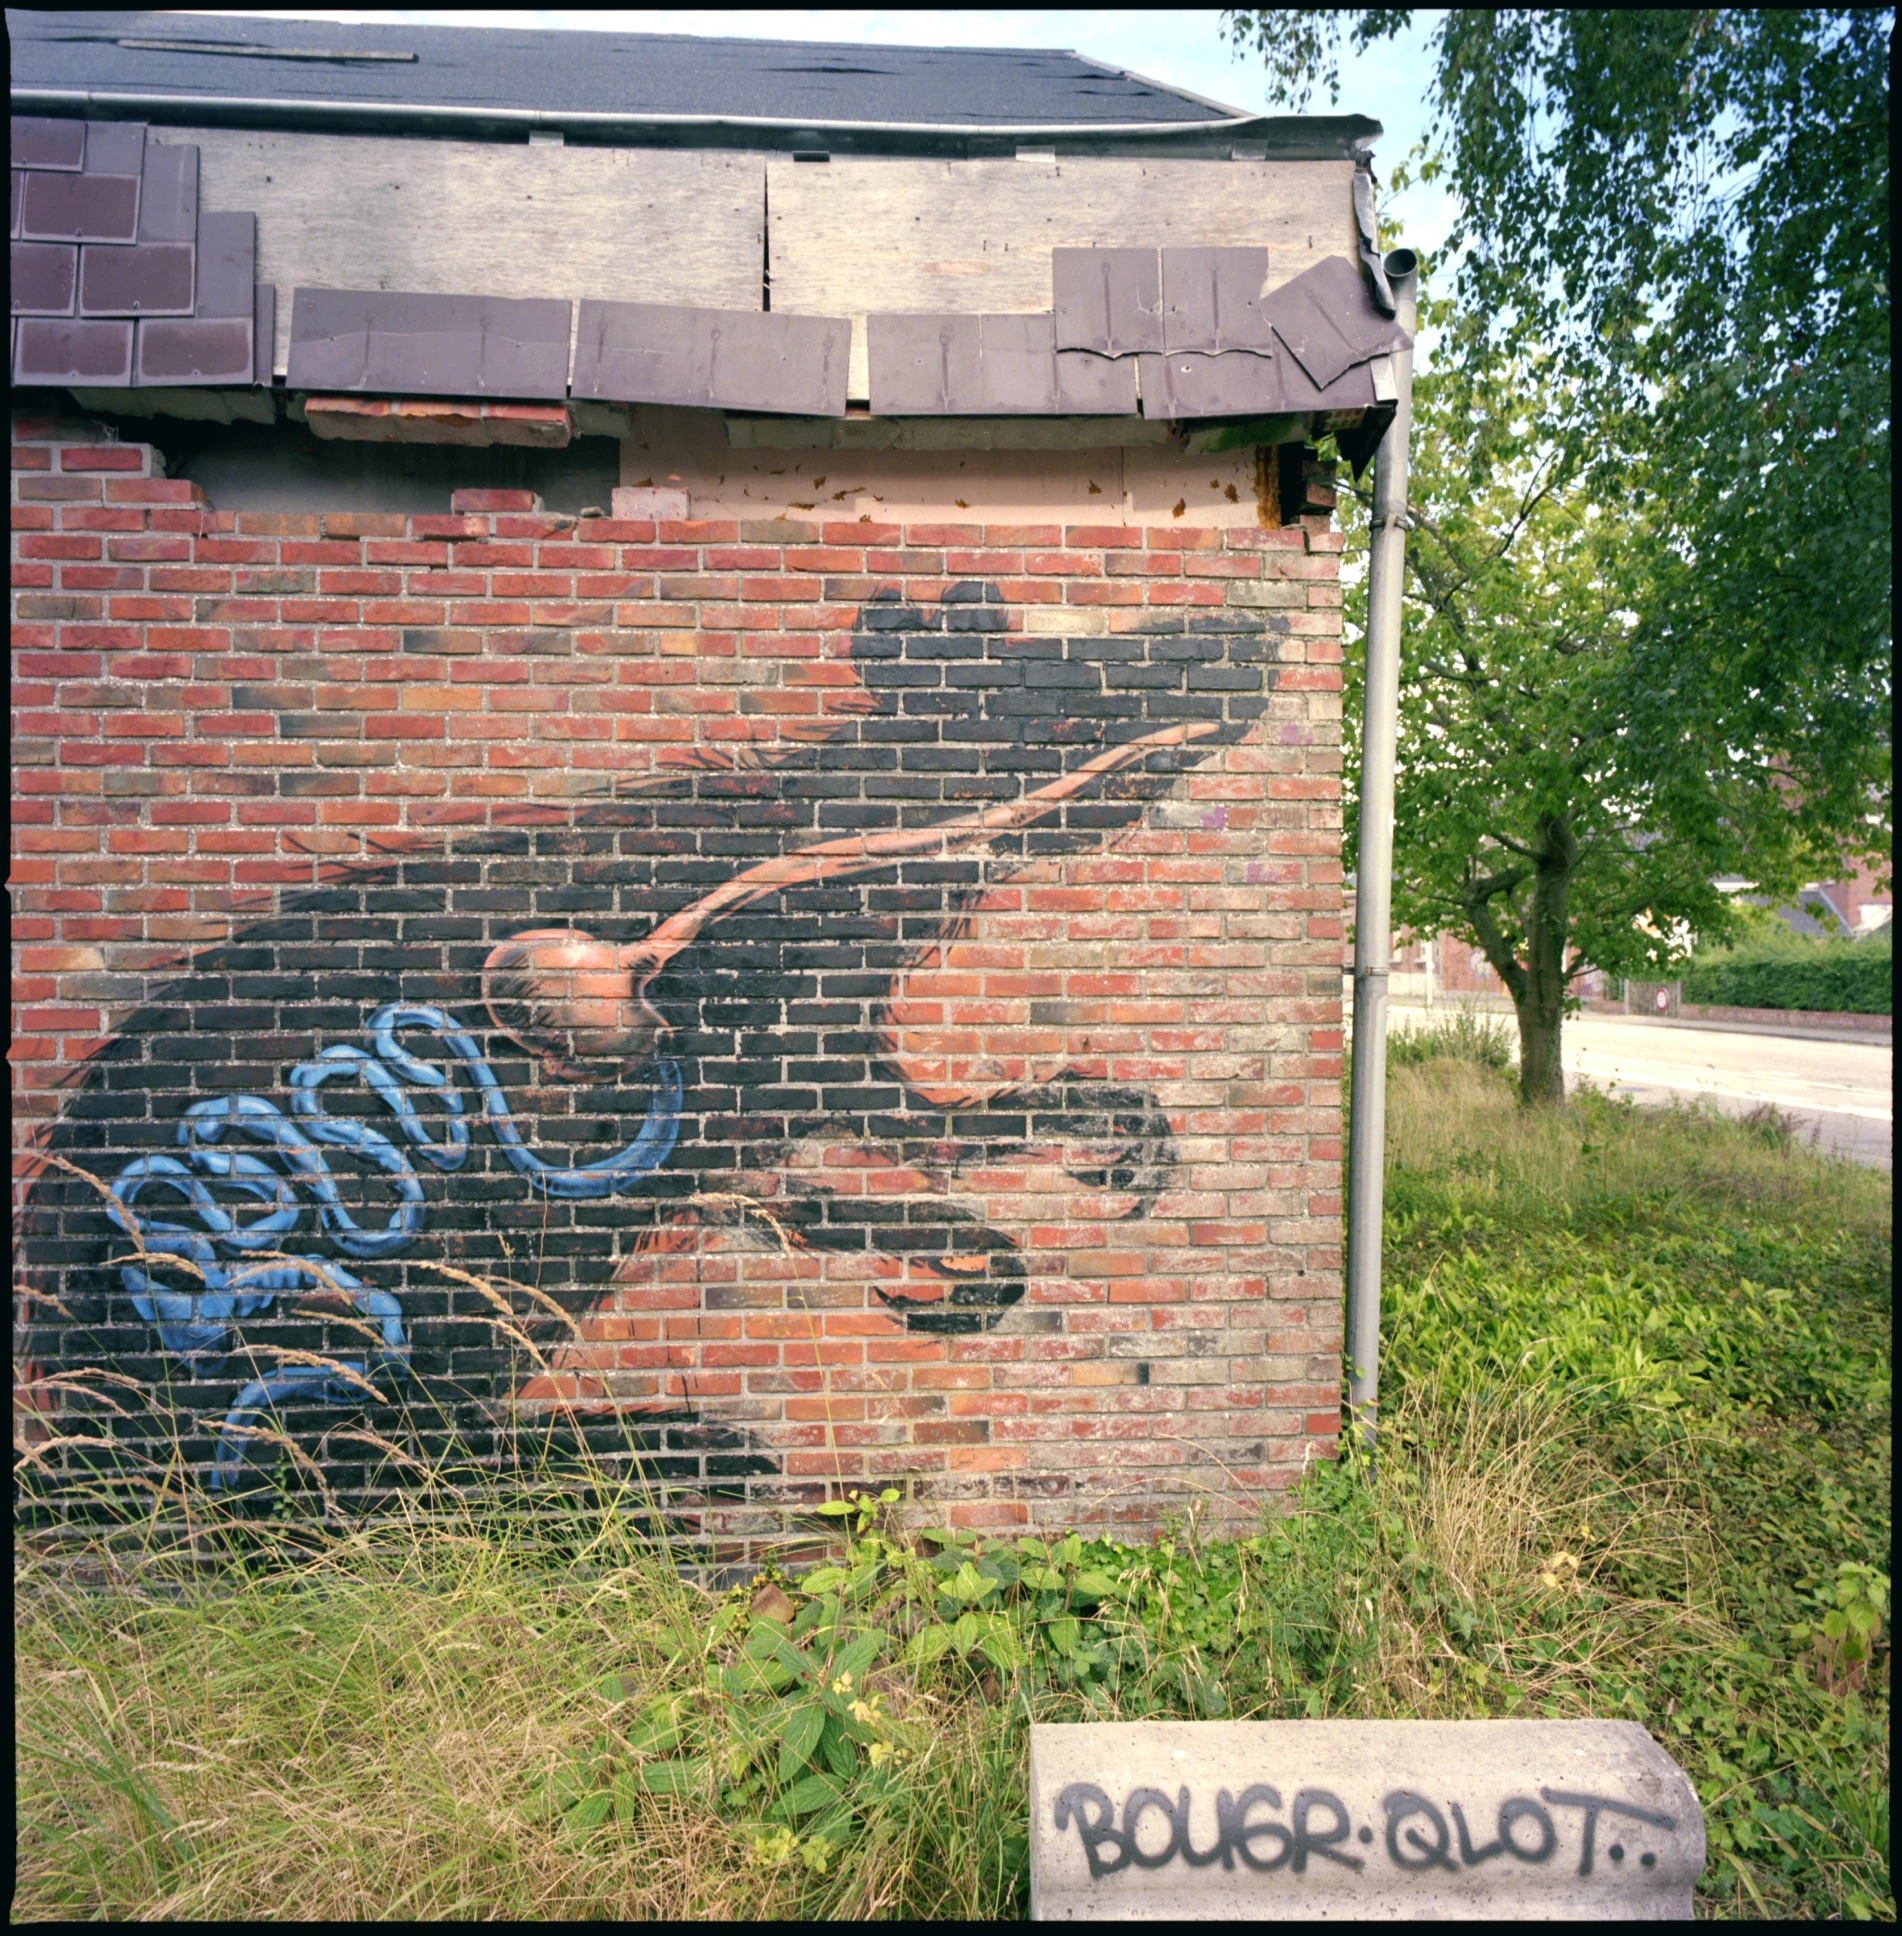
x: 632, y: 501
x: 1375, y: 1820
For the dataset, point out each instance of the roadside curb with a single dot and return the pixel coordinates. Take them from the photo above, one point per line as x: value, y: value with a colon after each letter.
x: 1799, y: 1031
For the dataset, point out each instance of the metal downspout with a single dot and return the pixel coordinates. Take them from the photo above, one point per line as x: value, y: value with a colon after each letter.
x: 1373, y: 889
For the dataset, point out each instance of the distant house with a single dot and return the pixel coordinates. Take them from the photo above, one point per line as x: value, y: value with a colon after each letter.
x: 1862, y: 904
x: 677, y: 721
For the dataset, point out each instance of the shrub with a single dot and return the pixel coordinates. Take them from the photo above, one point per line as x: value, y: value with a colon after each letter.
x: 1834, y: 977
x: 1458, y: 1035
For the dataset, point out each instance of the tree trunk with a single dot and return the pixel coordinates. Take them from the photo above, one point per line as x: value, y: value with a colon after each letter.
x: 1537, y: 986
x: 1540, y: 999
x: 1541, y: 1073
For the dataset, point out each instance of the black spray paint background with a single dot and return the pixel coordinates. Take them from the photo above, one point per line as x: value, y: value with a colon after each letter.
x: 773, y: 1009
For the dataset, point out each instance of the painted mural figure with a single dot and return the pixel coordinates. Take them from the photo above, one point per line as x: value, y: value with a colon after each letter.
x: 754, y: 996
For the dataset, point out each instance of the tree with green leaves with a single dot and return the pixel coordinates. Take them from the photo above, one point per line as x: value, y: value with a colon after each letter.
x: 1546, y: 806
x: 1648, y: 633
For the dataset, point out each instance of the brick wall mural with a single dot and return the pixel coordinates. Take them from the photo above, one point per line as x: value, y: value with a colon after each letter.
x: 772, y: 1007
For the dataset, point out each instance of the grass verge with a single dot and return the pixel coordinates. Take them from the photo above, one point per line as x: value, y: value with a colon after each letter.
x: 1634, y: 1462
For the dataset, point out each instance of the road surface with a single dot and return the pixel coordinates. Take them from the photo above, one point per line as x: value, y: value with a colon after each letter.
x: 1838, y: 1091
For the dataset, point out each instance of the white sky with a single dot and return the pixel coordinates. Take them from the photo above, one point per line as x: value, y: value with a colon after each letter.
x: 1186, y: 48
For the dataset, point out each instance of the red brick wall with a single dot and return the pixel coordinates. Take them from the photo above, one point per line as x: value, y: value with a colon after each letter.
x: 1006, y: 1170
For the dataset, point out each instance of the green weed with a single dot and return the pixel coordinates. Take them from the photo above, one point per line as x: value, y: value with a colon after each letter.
x: 1460, y: 1034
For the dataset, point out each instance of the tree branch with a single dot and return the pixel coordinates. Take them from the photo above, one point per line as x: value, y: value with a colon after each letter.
x: 1512, y: 846
x: 1492, y: 944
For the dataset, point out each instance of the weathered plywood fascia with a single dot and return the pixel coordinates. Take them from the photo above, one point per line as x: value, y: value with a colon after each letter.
x: 854, y: 235
x: 944, y: 433
x: 488, y: 218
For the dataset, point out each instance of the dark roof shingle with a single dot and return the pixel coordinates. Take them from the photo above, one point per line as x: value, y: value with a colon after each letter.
x: 583, y: 72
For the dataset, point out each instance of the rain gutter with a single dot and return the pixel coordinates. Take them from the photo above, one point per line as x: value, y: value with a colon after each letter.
x: 1304, y: 137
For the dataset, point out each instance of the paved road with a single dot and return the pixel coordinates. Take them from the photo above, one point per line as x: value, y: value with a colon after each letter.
x: 1838, y: 1091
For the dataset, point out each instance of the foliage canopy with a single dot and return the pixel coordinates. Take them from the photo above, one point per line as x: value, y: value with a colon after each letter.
x: 1650, y: 565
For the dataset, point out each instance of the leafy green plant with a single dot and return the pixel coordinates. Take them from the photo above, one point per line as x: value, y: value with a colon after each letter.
x: 1649, y: 634
x: 775, y: 1724
x: 1842, y: 1644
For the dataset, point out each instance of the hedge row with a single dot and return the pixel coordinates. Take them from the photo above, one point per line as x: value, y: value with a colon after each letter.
x: 1841, y: 978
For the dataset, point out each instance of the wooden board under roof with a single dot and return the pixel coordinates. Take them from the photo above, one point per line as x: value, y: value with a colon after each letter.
x: 857, y: 234
x: 488, y: 218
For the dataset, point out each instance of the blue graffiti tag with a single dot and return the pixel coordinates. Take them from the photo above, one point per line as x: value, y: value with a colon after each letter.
x: 194, y: 1325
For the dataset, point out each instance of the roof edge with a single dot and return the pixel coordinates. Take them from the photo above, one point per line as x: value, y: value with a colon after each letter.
x: 1340, y: 137
x: 1225, y: 108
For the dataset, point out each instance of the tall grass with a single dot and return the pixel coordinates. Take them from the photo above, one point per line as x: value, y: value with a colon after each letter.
x: 373, y: 1731
x: 1635, y: 1416
x: 372, y: 1734
x: 1449, y: 1119
x: 1462, y: 1035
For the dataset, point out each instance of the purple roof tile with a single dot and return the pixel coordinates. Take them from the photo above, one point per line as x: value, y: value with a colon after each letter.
x: 1107, y: 300
x: 1210, y: 303
x: 215, y: 351
x: 115, y: 147
x: 939, y: 366
x: 1241, y: 383
x: 732, y: 359
x: 1329, y: 322
x: 168, y: 194
x: 1212, y: 300
x: 401, y: 344
x: 148, y: 279
x: 42, y: 143
x: 80, y: 208
x: 72, y: 352
x: 41, y: 281
x: 227, y: 263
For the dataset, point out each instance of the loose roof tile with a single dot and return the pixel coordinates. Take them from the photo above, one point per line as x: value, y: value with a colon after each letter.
x: 46, y: 352
x: 1212, y: 300
x: 146, y: 279
x: 41, y: 279
x: 42, y: 143
x: 227, y: 262
x: 168, y: 194
x: 1329, y: 321
x: 731, y: 359
x: 1107, y: 300
x: 80, y: 208
x: 991, y: 366
x: 425, y: 345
